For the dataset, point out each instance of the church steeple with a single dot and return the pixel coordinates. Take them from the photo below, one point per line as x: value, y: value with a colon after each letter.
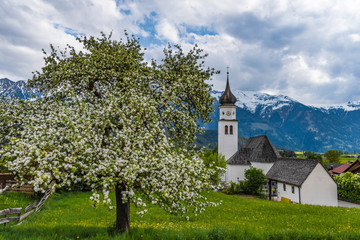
x: 227, y: 124
x: 227, y: 97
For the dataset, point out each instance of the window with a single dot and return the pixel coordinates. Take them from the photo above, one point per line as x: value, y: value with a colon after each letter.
x: 292, y: 189
x: 231, y: 129
x: 284, y: 186
x: 226, y: 129
x: 223, y: 113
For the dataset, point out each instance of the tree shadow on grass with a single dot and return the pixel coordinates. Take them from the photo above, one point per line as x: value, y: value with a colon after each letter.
x: 52, y: 232
x: 81, y: 232
x: 215, y: 233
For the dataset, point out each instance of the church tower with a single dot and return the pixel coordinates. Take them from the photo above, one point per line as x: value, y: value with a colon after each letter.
x: 227, y: 125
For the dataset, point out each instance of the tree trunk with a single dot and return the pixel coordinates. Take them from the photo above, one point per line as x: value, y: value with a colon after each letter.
x: 122, y: 211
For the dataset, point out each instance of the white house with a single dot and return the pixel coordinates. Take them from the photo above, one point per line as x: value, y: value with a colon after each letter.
x: 303, y: 181
x: 257, y: 152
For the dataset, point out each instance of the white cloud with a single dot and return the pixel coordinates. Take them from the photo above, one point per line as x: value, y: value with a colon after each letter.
x: 167, y: 31
x: 354, y: 37
x: 297, y: 70
x: 305, y: 49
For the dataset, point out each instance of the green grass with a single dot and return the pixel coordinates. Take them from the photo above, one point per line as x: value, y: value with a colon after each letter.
x: 16, y: 200
x: 345, y: 159
x: 71, y: 216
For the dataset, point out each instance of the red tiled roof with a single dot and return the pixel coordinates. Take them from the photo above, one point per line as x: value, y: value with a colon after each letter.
x: 340, y: 169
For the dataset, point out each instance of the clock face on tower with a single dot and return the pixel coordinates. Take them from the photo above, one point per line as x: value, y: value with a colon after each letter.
x: 228, y: 113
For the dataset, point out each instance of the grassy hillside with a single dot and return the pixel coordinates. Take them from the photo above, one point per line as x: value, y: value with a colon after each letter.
x: 71, y: 216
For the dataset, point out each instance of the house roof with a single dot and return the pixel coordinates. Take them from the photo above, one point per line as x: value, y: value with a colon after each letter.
x: 292, y: 171
x: 354, y: 167
x: 340, y: 169
x: 256, y: 149
x: 334, y: 165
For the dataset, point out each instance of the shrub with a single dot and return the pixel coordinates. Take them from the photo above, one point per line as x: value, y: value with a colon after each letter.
x: 348, y: 186
x: 254, y: 181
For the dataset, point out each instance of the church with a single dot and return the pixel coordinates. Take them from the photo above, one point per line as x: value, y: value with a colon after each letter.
x: 295, y: 180
x: 258, y: 152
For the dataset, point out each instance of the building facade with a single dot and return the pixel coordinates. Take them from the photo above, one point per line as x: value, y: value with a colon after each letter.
x: 257, y: 152
x: 303, y: 181
x: 227, y: 125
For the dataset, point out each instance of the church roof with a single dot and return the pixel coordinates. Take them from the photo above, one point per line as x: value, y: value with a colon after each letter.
x: 256, y: 149
x: 241, y: 157
x: 263, y: 149
x: 292, y: 171
x: 227, y: 97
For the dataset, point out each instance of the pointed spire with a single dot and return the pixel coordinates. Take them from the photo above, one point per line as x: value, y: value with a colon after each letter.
x: 227, y: 97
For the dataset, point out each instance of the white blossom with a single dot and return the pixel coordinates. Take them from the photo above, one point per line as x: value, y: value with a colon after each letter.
x: 138, y: 134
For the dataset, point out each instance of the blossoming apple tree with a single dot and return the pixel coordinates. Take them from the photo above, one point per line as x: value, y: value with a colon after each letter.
x: 110, y: 120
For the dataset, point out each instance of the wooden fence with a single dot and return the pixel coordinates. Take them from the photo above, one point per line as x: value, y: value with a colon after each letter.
x: 16, y: 212
x: 8, y: 179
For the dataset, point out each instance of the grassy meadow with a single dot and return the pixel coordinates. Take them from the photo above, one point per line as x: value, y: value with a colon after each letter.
x: 71, y: 216
x: 344, y: 158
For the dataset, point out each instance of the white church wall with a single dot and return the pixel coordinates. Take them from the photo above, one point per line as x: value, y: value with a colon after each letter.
x: 236, y: 173
x: 289, y: 191
x: 263, y: 166
x: 319, y: 188
x: 227, y: 143
x: 227, y: 112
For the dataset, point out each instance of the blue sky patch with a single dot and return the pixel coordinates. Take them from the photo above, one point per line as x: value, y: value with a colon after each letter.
x: 70, y: 31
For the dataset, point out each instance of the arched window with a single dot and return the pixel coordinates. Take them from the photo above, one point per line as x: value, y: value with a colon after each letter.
x: 231, y: 130
x: 226, y: 129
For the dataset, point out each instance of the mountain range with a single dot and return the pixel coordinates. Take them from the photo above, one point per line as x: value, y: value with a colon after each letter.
x: 293, y: 125
x: 17, y: 89
x: 287, y: 122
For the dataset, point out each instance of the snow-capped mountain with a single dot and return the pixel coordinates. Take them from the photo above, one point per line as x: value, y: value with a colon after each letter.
x: 254, y: 101
x: 294, y: 125
x: 287, y: 122
x: 12, y: 89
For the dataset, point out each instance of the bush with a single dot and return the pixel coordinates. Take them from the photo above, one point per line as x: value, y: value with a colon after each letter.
x: 254, y: 181
x: 348, y: 186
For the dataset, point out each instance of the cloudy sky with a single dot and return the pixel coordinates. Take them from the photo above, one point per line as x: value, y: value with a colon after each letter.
x: 306, y: 49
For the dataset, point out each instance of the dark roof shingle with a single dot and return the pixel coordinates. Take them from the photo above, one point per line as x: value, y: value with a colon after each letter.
x: 256, y: 149
x: 292, y: 171
x: 241, y: 157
